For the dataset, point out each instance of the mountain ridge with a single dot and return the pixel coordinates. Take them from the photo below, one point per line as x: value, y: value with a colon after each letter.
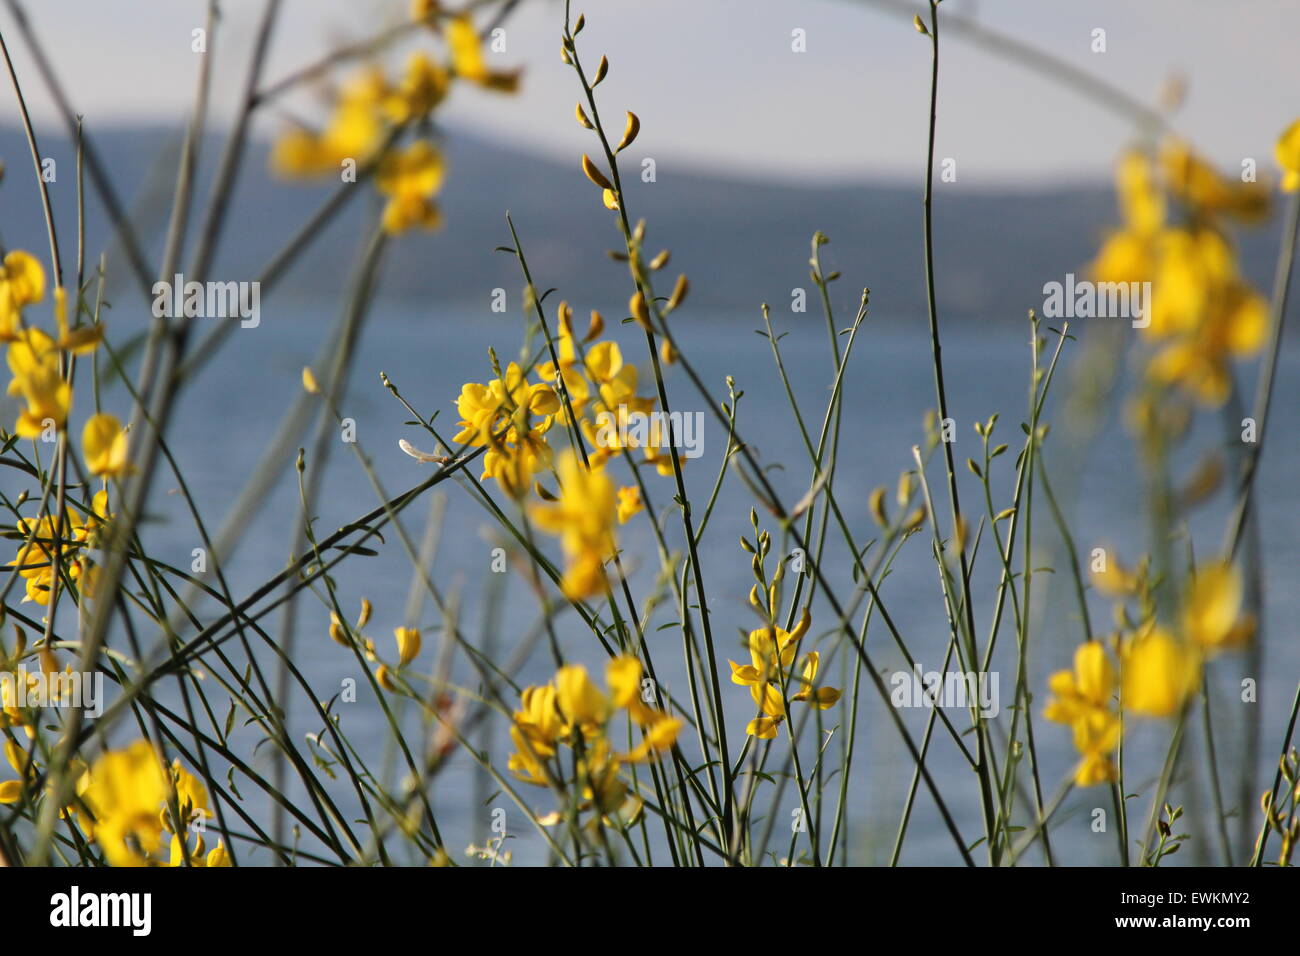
x: 741, y: 242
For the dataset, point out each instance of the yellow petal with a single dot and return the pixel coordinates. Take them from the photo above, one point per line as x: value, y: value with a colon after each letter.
x: 466, y: 52
x: 25, y: 278
x: 103, y: 443
x: 744, y: 674
x: 1093, y: 671
x: 1213, y: 605
x: 624, y: 676
x: 1159, y: 674
x: 408, y: 644
x: 579, y: 700
x: 1287, y: 152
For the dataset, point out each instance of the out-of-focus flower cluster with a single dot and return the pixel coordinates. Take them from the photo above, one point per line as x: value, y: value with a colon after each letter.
x: 1145, y: 668
x: 572, y: 713
x: 371, y: 112
x: 41, y: 373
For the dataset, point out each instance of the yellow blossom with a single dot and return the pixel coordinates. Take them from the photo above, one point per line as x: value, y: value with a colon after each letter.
x: 422, y: 87
x: 1082, y: 699
x: 581, y: 702
x: 573, y: 710
x: 467, y: 58
x: 820, y: 697
x: 1128, y: 255
x: 33, y: 360
x: 1160, y: 673
x: 1212, y: 617
x: 1202, y: 188
x: 500, y: 414
x: 629, y: 503
x: 408, y: 644
x: 772, y: 654
x: 410, y: 179
x: 1287, y: 153
x: 103, y: 443
x: 583, y: 517
x: 125, y: 791
x: 354, y: 133
x: 218, y: 856
x: 22, y: 283
x: 11, y: 791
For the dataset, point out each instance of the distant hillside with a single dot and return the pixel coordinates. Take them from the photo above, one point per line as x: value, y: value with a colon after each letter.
x: 740, y: 242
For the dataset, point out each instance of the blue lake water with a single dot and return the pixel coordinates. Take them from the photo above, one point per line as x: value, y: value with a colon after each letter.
x: 230, y: 414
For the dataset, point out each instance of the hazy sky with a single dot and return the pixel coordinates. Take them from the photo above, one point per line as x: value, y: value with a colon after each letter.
x: 717, y: 85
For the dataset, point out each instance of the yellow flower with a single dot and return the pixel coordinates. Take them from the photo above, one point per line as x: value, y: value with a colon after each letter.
x: 540, y: 719
x: 197, y: 858
x: 500, y: 415
x: 1202, y: 188
x: 771, y: 649
x: 1128, y: 255
x: 1193, y: 263
x: 1206, y: 311
x: 408, y: 645
x: 1201, y: 311
x: 584, y: 518
x: 573, y: 709
x: 629, y: 503
x: 103, y: 443
x: 581, y: 702
x: 535, y: 731
x: 1287, y: 152
x: 660, y: 729
x: 1159, y: 673
x: 1090, y: 684
x: 615, y: 381
x: 1082, y: 699
x: 410, y: 179
x: 603, y: 785
x: 79, y: 341
x: 660, y: 735
x: 35, y: 560
x: 11, y: 791
x: 33, y: 360
x: 1212, y: 616
x: 820, y: 697
x: 1115, y: 580
x: 218, y: 857
x: 422, y: 87
x: 11, y: 715
x: 467, y: 58
x: 355, y: 132
x: 125, y: 790
x: 191, y: 798
x: 772, y: 653
x: 623, y: 675
x: 22, y: 283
